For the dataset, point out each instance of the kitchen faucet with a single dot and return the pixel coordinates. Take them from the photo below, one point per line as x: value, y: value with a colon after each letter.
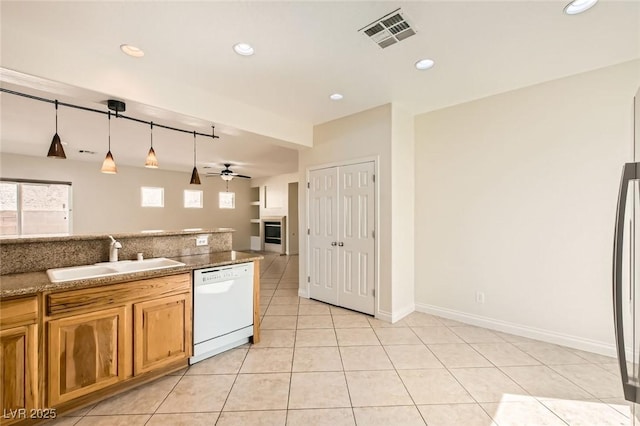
x: 113, y: 249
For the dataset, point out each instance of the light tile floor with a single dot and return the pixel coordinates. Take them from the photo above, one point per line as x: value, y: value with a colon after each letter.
x: 322, y: 365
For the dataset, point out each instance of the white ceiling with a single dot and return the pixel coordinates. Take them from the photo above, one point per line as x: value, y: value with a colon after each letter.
x: 304, y: 52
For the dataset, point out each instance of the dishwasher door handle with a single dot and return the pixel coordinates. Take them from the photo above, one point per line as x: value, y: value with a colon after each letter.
x: 219, y: 287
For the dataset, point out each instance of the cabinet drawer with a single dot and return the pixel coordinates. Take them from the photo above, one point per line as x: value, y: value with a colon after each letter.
x: 16, y: 312
x: 97, y: 298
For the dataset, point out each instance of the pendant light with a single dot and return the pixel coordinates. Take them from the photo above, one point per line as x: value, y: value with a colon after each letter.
x: 195, y: 178
x: 152, y: 160
x: 109, y: 165
x: 56, y: 150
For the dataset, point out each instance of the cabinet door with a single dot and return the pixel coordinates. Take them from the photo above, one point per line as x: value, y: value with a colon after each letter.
x: 161, y: 332
x: 87, y: 353
x: 18, y: 369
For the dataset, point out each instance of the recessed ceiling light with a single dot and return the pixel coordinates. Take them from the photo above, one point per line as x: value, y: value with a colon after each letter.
x: 243, y: 49
x: 425, y: 64
x: 579, y: 6
x: 336, y: 97
x: 132, y: 51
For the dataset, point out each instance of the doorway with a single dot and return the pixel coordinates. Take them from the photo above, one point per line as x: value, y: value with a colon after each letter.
x: 341, y: 235
x: 292, y: 240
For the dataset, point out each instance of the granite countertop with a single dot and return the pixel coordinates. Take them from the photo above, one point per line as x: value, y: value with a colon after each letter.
x: 30, y: 283
x: 80, y: 237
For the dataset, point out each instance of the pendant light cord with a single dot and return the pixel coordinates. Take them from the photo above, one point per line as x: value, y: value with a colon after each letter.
x: 194, y: 149
x: 56, y: 102
x: 152, y: 135
x: 109, y: 115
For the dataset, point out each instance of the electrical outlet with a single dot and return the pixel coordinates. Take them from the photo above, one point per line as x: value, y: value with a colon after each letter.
x: 479, y: 297
x: 202, y: 240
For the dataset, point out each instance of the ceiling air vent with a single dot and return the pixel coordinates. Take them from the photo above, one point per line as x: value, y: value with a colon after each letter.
x: 390, y: 29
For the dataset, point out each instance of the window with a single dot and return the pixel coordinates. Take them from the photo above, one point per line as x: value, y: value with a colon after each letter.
x: 192, y: 199
x: 152, y: 197
x: 34, y: 208
x: 227, y: 200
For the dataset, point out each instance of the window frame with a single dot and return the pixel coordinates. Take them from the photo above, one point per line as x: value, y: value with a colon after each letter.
x: 19, y: 204
x: 142, y: 198
x: 184, y: 198
x: 233, y: 200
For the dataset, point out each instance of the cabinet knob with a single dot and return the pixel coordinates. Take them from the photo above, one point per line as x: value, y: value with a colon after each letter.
x: 333, y: 243
x: 341, y: 244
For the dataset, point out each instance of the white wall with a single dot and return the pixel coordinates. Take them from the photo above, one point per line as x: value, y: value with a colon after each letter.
x: 274, y: 198
x: 111, y: 203
x: 515, y: 197
x: 363, y: 135
x: 403, y: 211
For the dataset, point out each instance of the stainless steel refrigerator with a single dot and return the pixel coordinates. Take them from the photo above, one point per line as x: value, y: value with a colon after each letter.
x: 626, y: 273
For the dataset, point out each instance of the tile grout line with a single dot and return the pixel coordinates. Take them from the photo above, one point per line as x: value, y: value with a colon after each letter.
x: 456, y: 379
x: 167, y: 396
x: 415, y: 405
x: 293, y: 354
x: 235, y: 379
x: 344, y: 372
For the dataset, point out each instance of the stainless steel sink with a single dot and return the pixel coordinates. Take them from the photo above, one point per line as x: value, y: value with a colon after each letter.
x: 105, y: 269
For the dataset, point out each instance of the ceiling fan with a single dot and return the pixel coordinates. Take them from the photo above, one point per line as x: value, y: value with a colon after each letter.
x: 227, y: 174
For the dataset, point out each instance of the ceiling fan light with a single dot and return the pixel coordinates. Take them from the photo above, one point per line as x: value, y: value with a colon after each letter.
x: 152, y: 160
x: 195, y: 177
x: 109, y: 165
x: 55, y: 149
x: 226, y: 177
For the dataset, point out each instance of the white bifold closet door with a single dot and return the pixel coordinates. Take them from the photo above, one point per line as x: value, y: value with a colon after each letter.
x: 341, y: 236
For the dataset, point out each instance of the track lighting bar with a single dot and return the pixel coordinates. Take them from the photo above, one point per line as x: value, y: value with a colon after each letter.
x: 117, y: 115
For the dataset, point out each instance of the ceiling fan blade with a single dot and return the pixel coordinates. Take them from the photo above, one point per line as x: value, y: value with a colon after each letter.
x: 242, y: 176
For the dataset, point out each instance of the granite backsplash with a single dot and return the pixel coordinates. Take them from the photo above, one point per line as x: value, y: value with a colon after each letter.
x: 38, y: 254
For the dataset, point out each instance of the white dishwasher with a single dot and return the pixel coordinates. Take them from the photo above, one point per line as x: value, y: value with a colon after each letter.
x: 222, y: 309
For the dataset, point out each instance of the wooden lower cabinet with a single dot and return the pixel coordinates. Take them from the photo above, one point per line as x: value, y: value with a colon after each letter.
x: 162, y: 332
x: 102, y: 339
x: 18, y: 371
x: 86, y: 353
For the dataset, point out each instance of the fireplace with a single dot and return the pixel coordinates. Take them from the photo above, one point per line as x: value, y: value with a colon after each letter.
x: 274, y: 234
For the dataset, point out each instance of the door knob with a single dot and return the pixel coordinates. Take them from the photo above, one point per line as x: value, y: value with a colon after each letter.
x: 341, y: 244
x: 333, y: 243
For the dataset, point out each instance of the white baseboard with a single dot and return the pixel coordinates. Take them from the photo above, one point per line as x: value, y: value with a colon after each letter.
x: 395, y: 316
x: 549, y: 336
x: 383, y: 315
x: 401, y: 313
